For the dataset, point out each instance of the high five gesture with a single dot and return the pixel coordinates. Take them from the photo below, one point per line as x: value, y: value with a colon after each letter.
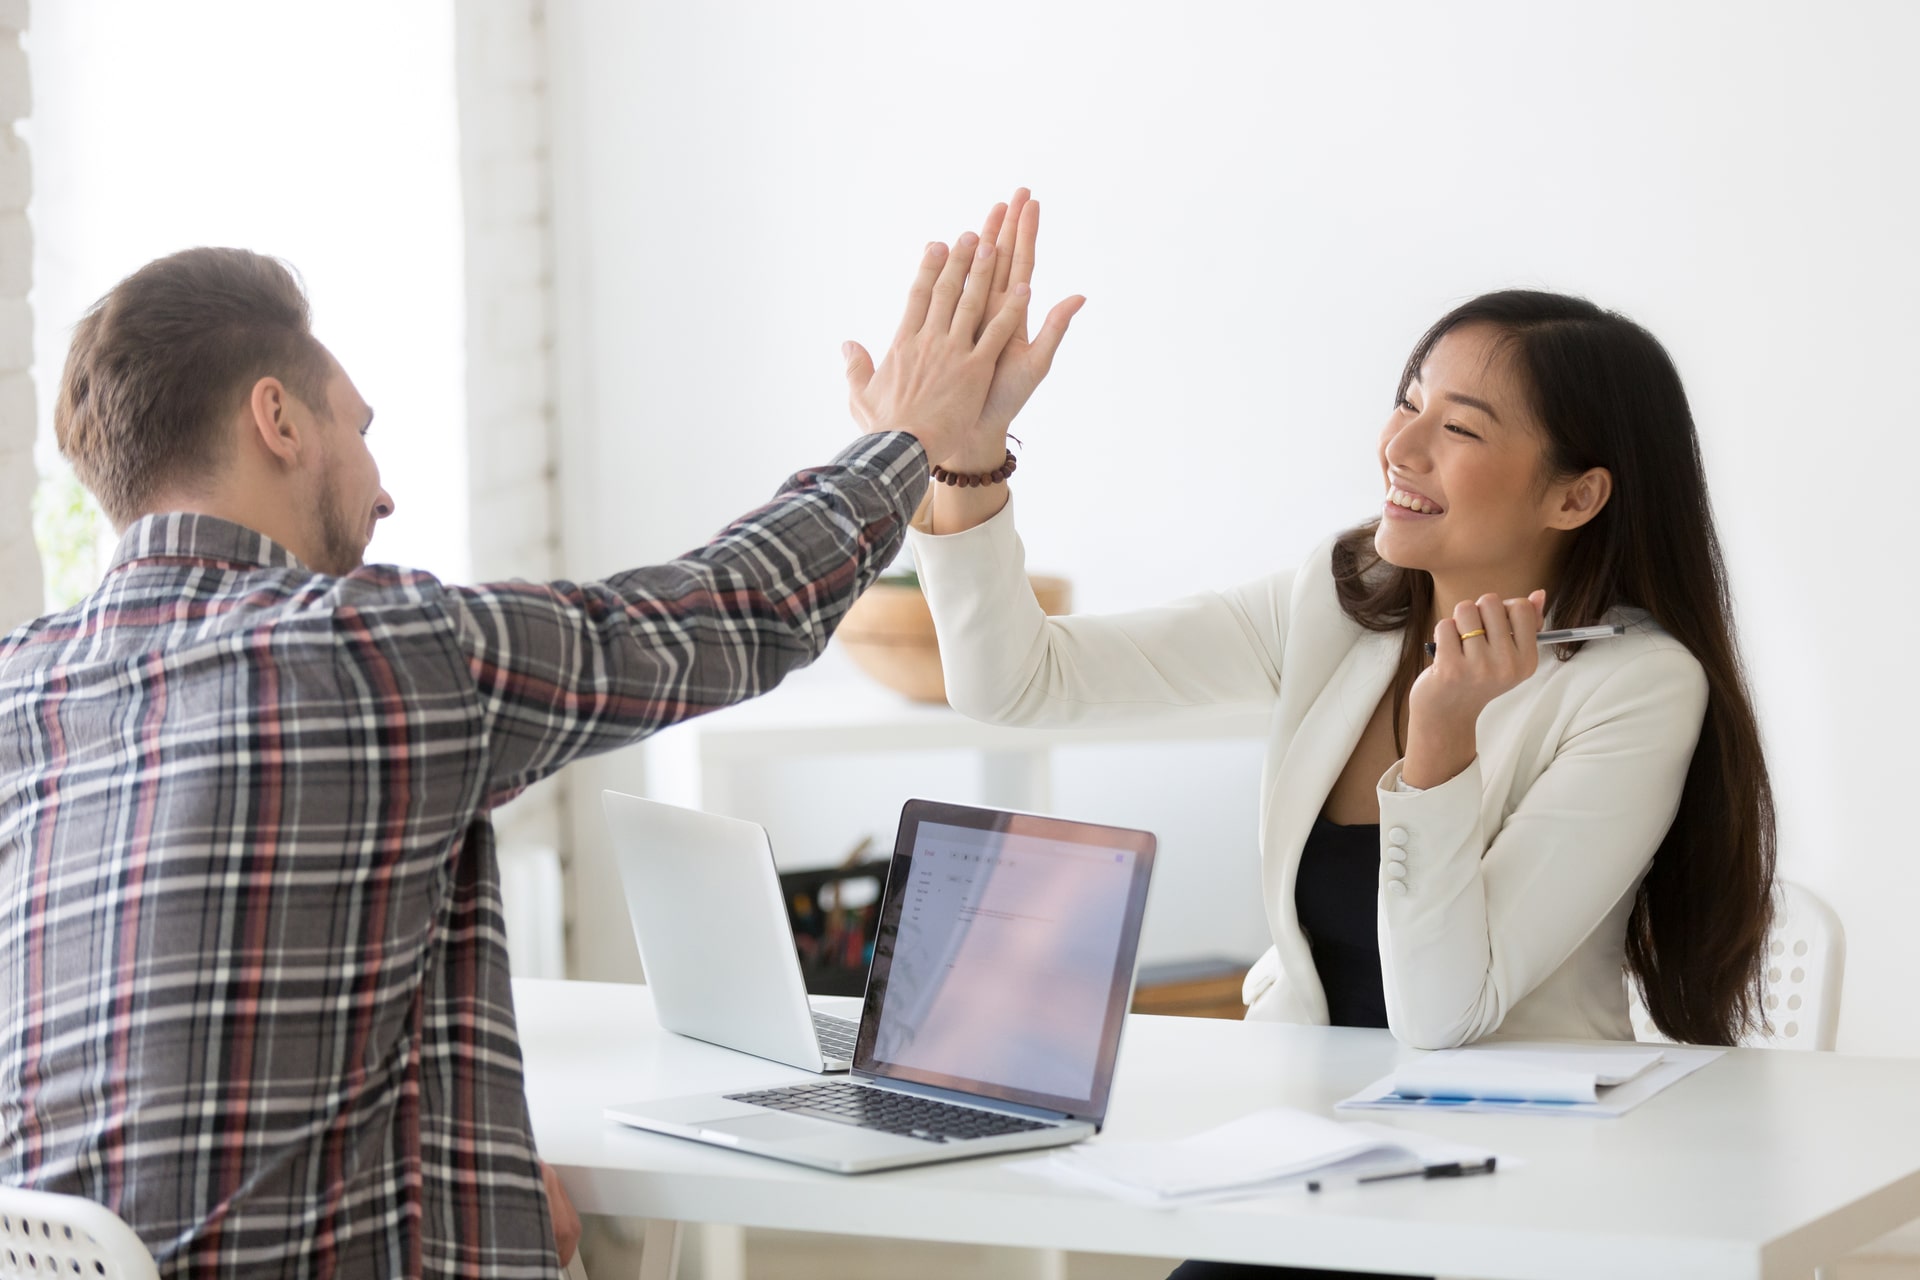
x: 934, y: 380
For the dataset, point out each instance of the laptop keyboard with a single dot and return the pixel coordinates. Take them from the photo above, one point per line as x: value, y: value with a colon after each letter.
x: 836, y: 1035
x: 889, y: 1112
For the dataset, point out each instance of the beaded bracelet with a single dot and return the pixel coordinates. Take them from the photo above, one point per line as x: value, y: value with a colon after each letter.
x: 997, y: 476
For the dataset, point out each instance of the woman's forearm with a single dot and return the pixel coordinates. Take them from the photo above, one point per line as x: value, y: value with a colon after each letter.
x: 1437, y: 753
x: 955, y: 509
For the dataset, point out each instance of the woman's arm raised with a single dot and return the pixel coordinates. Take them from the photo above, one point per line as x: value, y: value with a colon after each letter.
x: 1008, y: 663
x: 1004, y: 660
x: 1014, y: 231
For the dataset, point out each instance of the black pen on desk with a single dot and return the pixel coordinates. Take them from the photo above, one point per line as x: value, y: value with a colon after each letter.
x: 1567, y: 635
x: 1451, y: 1169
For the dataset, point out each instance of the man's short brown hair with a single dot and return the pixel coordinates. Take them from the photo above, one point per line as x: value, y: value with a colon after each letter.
x: 159, y: 366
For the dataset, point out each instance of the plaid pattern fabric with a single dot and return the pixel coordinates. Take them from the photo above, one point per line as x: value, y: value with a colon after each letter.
x: 253, y: 978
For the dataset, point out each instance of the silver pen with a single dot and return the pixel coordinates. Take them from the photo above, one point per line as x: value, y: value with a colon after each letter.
x: 1566, y: 635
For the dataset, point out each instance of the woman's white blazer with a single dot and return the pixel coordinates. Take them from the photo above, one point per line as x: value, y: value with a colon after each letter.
x: 1504, y: 892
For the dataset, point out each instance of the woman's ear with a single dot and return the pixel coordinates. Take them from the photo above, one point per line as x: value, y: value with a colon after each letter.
x: 1580, y: 499
x: 270, y: 411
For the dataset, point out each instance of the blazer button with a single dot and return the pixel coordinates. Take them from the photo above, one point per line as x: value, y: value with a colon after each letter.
x: 1396, y: 854
x: 1397, y: 836
x: 1396, y: 871
x: 1396, y: 888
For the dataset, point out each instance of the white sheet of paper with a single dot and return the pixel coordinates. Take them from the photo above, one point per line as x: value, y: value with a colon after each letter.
x: 1609, y: 1064
x: 1264, y: 1151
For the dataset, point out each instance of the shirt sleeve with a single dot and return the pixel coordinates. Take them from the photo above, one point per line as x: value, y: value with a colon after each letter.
x: 1471, y: 921
x: 1006, y: 662
x: 566, y: 670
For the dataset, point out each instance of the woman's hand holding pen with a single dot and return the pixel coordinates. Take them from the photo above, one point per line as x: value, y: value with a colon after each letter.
x: 1485, y: 649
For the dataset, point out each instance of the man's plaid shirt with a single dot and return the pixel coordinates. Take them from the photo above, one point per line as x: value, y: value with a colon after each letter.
x: 253, y: 977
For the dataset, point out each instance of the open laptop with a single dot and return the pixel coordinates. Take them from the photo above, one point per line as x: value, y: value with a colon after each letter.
x: 714, y: 938
x: 1001, y: 975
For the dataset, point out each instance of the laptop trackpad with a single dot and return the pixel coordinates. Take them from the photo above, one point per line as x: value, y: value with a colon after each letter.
x: 766, y: 1127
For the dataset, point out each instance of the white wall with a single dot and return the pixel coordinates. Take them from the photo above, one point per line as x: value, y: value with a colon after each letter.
x: 322, y: 133
x: 1266, y: 204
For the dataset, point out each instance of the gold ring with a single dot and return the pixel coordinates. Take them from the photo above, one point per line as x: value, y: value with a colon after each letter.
x: 1477, y: 631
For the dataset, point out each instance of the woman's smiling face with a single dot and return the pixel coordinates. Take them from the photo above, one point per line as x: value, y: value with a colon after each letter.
x: 1467, y: 495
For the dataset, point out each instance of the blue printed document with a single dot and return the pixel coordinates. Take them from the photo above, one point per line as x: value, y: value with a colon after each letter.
x: 1534, y: 1077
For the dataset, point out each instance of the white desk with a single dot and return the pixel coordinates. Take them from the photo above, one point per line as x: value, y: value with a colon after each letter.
x: 1764, y: 1164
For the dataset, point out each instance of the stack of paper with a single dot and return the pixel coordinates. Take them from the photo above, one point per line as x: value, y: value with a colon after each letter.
x: 1597, y: 1079
x: 1265, y: 1151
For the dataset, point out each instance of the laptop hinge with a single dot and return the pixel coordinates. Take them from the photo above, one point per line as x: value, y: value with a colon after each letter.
x: 960, y: 1098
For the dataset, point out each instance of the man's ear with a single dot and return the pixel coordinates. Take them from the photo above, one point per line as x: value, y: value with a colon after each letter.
x: 1581, y: 499
x: 270, y: 413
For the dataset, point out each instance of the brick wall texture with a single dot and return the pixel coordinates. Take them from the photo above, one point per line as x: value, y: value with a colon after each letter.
x: 20, y: 582
x: 501, y: 52
x: 501, y: 78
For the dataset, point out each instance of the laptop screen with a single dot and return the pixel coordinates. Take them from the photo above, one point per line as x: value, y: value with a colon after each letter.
x: 1004, y: 956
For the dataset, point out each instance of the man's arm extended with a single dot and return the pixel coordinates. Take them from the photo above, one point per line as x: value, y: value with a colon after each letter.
x: 566, y: 670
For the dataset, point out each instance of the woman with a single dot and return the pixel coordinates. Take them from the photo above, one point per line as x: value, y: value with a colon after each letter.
x: 1484, y: 840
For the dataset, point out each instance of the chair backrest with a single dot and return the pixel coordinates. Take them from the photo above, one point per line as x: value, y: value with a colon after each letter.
x: 1806, y: 957
x: 43, y: 1234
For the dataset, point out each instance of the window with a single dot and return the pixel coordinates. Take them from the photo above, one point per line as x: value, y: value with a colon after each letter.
x: 323, y: 133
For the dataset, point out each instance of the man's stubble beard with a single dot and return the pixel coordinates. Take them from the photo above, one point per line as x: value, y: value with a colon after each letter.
x: 339, y: 539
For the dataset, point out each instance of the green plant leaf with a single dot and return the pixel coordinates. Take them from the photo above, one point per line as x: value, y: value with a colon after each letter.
x: 70, y: 530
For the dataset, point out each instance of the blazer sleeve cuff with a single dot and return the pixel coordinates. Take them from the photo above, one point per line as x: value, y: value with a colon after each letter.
x: 992, y: 534
x: 1430, y: 839
x: 976, y: 585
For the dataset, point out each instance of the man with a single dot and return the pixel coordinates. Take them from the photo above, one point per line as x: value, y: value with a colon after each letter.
x: 253, y: 986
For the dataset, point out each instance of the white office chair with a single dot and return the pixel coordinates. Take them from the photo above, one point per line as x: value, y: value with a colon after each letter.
x: 42, y: 1234
x: 1806, y: 956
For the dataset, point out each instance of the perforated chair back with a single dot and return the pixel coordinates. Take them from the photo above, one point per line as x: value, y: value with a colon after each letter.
x: 1806, y: 958
x: 44, y: 1235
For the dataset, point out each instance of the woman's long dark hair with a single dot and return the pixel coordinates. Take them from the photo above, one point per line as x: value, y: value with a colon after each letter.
x: 1607, y: 395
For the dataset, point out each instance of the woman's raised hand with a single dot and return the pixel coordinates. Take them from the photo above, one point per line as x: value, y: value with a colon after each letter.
x: 1015, y: 229
x: 934, y: 380
x: 1485, y: 649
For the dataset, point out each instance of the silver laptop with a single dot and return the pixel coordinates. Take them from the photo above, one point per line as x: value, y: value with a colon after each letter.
x: 714, y: 938
x: 1002, y: 970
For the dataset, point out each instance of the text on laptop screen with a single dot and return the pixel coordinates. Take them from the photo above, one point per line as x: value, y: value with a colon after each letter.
x: 1001, y: 958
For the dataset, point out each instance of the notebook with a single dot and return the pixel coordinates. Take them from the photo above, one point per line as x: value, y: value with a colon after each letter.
x: 1570, y: 1078
x: 1269, y: 1150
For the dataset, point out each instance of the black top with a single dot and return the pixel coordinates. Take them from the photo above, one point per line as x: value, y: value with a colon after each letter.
x: 1336, y: 894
